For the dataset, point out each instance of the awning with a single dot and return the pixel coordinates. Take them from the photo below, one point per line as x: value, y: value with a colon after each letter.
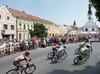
x: 93, y: 32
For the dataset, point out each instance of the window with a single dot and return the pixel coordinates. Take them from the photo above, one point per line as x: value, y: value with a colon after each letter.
x: 7, y: 17
x: 5, y: 26
x: 20, y: 26
x: 49, y: 28
x: 12, y: 27
x: 24, y: 36
x: 28, y: 35
x: 28, y: 26
x: 86, y: 29
x: 24, y: 26
x: 19, y: 35
x: 92, y: 29
x: 0, y: 16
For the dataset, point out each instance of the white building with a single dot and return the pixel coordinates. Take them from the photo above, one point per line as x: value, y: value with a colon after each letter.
x: 7, y: 24
x: 90, y: 27
x: 23, y: 23
x: 63, y: 29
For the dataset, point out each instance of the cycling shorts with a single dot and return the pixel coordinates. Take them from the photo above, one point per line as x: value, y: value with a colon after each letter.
x: 17, y: 64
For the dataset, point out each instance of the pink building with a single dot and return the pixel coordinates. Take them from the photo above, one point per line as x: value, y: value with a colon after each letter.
x: 7, y: 24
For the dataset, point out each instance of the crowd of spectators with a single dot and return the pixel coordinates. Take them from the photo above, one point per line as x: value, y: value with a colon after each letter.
x: 11, y: 47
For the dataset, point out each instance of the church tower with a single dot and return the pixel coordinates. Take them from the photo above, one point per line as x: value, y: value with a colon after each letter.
x: 90, y: 27
x: 89, y: 13
x: 74, y: 24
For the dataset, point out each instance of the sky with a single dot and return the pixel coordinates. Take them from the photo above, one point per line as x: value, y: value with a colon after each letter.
x: 57, y: 11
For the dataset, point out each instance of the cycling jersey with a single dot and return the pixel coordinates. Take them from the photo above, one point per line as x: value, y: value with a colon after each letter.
x: 83, y: 49
x: 57, y: 46
x: 21, y: 58
x: 60, y: 50
x: 82, y: 44
x: 18, y: 59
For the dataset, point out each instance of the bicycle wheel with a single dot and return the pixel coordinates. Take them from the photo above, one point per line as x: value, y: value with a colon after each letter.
x: 76, y: 60
x: 77, y: 51
x: 30, y: 69
x: 12, y: 71
x: 50, y: 55
x: 86, y: 57
x: 64, y: 55
x: 54, y: 59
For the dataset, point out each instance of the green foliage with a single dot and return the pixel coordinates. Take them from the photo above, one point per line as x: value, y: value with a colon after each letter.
x: 96, y: 5
x: 39, y: 30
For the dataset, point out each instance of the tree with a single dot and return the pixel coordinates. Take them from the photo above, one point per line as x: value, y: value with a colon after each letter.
x: 96, y: 5
x: 39, y: 30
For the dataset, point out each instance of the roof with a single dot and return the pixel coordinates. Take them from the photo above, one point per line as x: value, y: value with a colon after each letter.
x: 19, y: 13
x: 90, y: 24
x: 40, y: 19
x: 22, y: 14
x: 35, y: 18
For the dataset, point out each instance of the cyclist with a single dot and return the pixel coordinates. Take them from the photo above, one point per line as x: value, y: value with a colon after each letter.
x: 56, y: 47
x: 20, y: 58
x: 59, y: 51
x: 83, y: 51
x: 89, y: 46
x: 82, y: 44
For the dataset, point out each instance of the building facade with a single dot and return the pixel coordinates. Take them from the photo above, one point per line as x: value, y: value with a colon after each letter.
x: 7, y: 24
x: 15, y: 24
x: 23, y: 23
x: 52, y: 28
x: 64, y: 29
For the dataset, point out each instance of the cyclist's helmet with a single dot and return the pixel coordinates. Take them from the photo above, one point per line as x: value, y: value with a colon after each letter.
x: 27, y: 52
x: 87, y: 46
x: 64, y: 46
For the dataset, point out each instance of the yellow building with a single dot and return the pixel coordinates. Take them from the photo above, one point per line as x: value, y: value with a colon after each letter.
x: 52, y: 28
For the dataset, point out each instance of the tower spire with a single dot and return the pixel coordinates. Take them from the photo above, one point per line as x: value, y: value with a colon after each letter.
x: 89, y: 13
x: 74, y: 24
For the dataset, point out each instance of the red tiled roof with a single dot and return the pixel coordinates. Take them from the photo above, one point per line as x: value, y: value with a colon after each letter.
x: 35, y: 18
x: 21, y: 14
x: 40, y: 19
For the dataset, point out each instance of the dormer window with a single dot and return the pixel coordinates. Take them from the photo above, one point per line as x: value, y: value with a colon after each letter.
x: 7, y: 17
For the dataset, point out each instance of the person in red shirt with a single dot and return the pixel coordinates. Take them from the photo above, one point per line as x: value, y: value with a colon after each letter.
x: 56, y: 47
